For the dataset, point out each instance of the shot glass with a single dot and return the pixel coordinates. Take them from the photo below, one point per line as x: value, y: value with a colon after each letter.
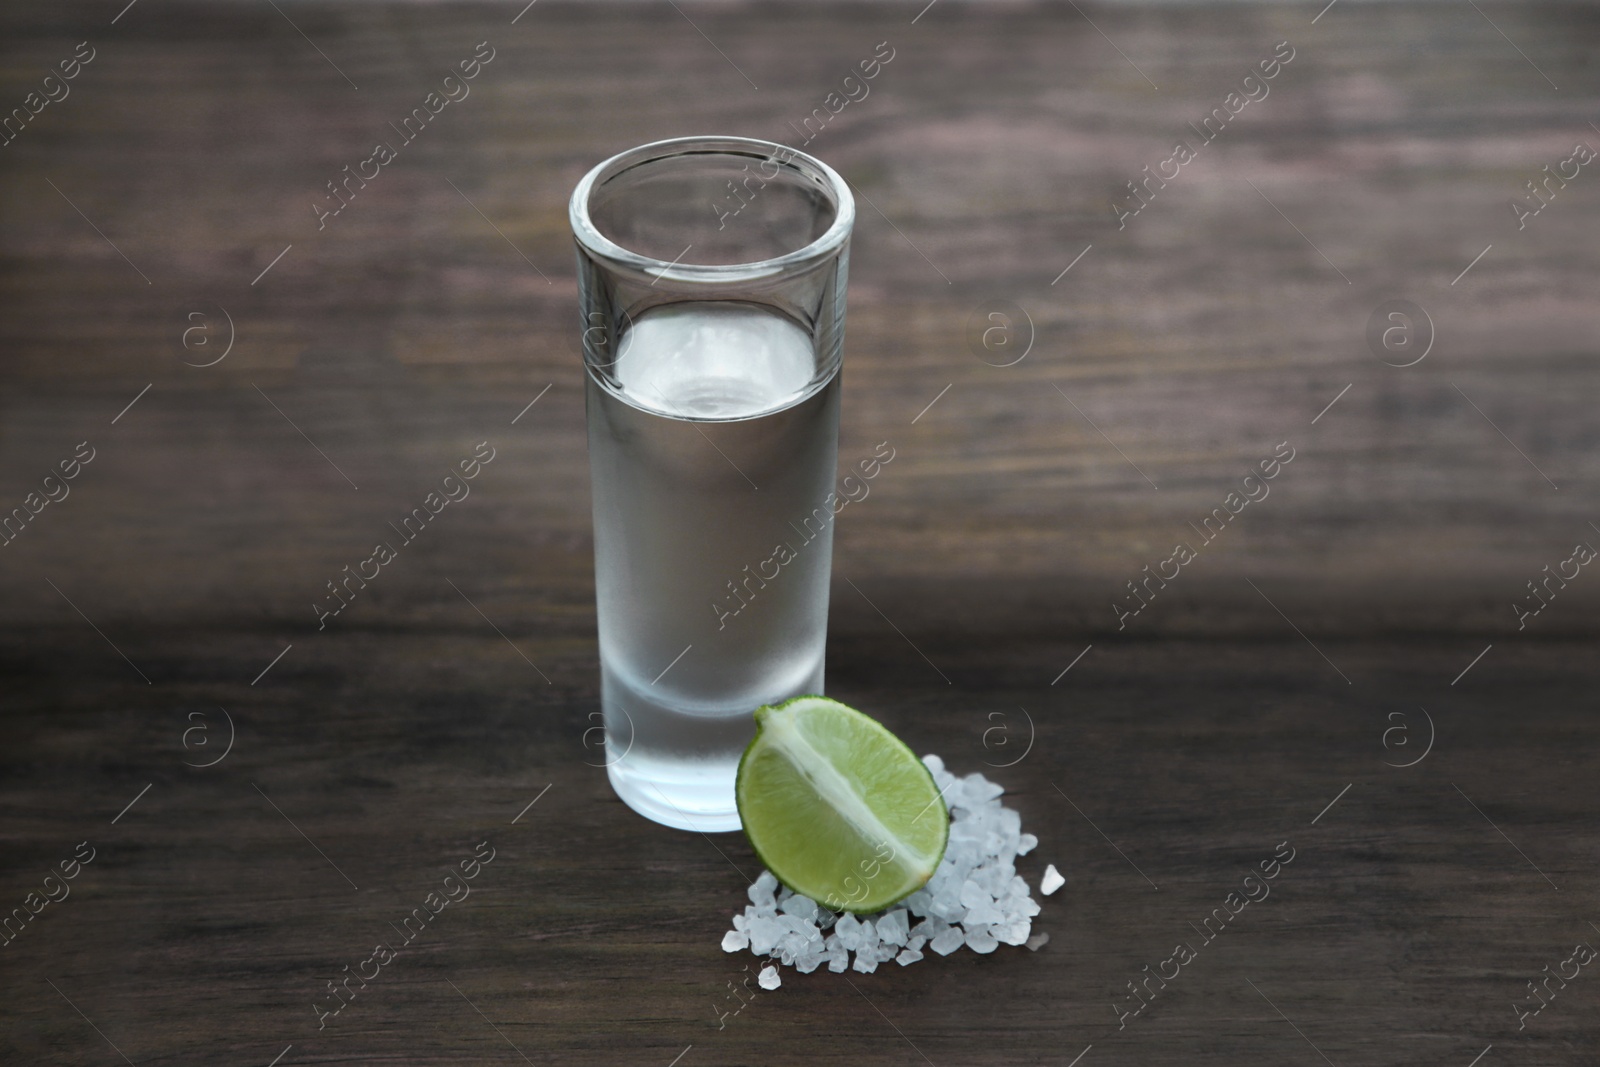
x: 711, y: 285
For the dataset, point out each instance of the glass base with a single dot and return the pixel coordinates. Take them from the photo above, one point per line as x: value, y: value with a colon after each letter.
x: 677, y: 766
x: 689, y: 796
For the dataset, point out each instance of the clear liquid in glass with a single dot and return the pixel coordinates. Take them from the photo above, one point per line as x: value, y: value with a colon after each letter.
x: 712, y: 456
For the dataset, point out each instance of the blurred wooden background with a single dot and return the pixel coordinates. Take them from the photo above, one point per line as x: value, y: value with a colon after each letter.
x: 177, y: 178
x: 1197, y: 338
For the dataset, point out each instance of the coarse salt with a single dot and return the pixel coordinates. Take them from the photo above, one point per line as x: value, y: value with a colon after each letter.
x: 975, y: 898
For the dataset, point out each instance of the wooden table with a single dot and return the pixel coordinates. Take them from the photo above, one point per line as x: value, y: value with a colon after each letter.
x: 1359, y: 618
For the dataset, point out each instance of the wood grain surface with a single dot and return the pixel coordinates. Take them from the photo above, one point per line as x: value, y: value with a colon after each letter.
x: 1360, y: 615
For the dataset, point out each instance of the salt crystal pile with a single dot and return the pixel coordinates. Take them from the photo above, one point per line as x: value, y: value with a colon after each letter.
x: 975, y: 898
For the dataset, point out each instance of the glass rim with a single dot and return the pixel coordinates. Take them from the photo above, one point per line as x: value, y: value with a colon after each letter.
x: 598, y: 244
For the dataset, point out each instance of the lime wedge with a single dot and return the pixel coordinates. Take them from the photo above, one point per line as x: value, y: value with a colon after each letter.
x: 837, y: 807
